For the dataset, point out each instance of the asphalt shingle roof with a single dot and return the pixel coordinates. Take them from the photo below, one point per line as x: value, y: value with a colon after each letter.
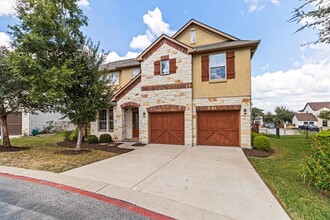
x: 227, y: 44
x: 305, y: 117
x: 120, y: 64
x: 318, y: 105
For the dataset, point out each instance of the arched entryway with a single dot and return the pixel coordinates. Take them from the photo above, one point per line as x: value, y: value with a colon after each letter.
x: 131, y: 121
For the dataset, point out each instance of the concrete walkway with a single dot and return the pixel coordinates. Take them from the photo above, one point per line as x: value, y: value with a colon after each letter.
x: 202, y: 182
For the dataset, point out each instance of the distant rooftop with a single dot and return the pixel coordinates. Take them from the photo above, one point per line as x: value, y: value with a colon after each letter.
x: 120, y: 64
x: 318, y: 105
x: 305, y: 117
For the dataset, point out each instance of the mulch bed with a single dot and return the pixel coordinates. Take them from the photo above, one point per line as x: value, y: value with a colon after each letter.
x: 138, y: 144
x: 13, y: 149
x: 258, y: 153
x: 108, y: 147
x: 72, y: 152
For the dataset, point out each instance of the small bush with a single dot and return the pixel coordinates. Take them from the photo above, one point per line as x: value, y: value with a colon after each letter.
x: 105, y: 138
x: 323, y: 138
x: 92, y: 139
x: 261, y: 143
x: 317, y: 168
x: 68, y: 135
x: 253, y: 135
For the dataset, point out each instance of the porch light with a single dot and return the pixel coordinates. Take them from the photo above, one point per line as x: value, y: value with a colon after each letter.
x: 245, y: 111
x: 144, y: 114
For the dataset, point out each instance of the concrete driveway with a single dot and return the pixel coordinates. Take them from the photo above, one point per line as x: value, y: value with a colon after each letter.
x: 219, y: 180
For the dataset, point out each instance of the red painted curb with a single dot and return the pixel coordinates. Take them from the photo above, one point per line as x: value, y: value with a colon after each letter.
x: 119, y: 203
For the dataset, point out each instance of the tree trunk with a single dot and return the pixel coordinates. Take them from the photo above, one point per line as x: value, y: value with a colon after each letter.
x: 4, y: 132
x: 80, y: 128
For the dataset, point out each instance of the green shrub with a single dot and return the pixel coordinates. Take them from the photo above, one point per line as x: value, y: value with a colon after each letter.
x: 105, y: 138
x: 323, y: 138
x: 317, y: 168
x: 68, y: 135
x: 270, y: 135
x: 253, y: 135
x: 261, y: 143
x: 92, y: 139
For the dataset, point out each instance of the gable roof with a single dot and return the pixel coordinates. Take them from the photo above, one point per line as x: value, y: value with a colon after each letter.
x: 120, y: 64
x: 166, y: 39
x: 305, y: 117
x: 317, y: 105
x: 198, y: 23
x: 229, y: 44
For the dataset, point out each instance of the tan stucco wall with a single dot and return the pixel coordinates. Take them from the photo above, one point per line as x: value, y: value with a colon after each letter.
x: 240, y: 86
x: 203, y: 37
x: 125, y: 76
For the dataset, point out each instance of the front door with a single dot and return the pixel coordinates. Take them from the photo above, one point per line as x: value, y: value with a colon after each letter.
x: 135, y: 122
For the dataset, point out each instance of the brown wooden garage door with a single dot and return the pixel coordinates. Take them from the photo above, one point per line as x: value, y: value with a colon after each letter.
x: 14, y: 122
x: 167, y: 128
x: 219, y: 128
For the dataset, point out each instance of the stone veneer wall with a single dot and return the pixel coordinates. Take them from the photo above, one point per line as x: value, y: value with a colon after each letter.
x: 245, y: 102
x: 181, y: 97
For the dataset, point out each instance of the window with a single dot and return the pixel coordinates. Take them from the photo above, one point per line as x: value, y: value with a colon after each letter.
x: 217, y: 66
x: 103, y: 120
x: 110, y: 128
x: 165, y: 67
x: 135, y: 71
x: 311, y: 123
x: 305, y: 122
x: 193, y: 35
x: 114, y: 78
x: 324, y: 123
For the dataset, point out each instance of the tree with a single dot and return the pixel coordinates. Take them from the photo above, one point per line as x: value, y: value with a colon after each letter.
x: 256, y: 112
x: 268, y: 117
x: 45, y: 39
x: 13, y: 92
x: 89, y: 92
x: 283, y: 114
x: 324, y: 115
x: 318, y: 18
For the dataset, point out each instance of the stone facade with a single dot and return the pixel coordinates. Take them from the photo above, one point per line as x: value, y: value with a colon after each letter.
x: 157, y: 93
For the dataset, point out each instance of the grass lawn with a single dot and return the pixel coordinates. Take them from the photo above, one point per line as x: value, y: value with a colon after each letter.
x: 44, y: 154
x: 282, y: 173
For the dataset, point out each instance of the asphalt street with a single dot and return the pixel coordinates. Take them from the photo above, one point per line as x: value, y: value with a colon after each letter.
x: 26, y: 200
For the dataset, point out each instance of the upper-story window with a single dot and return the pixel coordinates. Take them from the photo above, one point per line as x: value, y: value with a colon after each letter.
x: 135, y: 71
x: 165, y: 67
x: 114, y: 78
x: 193, y: 35
x: 218, y: 66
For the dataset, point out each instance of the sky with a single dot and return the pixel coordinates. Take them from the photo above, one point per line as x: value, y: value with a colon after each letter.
x: 284, y: 72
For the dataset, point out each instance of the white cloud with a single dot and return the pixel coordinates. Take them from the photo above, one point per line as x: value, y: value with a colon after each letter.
x: 293, y: 88
x: 5, y: 40
x: 258, y: 5
x: 265, y: 67
x: 83, y: 3
x: 7, y: 7
x: 155, y: 27
x: 113, y: 56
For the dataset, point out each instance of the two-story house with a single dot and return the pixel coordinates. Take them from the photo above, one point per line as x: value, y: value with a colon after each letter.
x: 310, y: 113
x: 193, y: 88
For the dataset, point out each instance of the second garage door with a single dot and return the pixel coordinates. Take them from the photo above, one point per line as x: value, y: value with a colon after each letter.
x: 219, y: 128
x: 167, y: 128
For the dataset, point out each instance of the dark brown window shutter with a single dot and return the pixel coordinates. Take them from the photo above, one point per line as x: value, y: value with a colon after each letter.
x: 157, y: 67
x: 205, y: 68
x: 173, y: 65
x: 230, y: 64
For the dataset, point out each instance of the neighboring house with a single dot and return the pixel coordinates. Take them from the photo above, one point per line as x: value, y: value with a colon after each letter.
x: 21, y: 123
x: 304, y: 119
x: 259, y: 120
x: 194, y: 89
x: 315, y: 108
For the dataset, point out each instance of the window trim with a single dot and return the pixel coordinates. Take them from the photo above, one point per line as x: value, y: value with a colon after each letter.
x: 192, y: 37
x: 161, y: 72
x: 225, y: 65
x: 111, y: 119
x: 137, y: 73
x: 324, y: 121
x: 99, y: 121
